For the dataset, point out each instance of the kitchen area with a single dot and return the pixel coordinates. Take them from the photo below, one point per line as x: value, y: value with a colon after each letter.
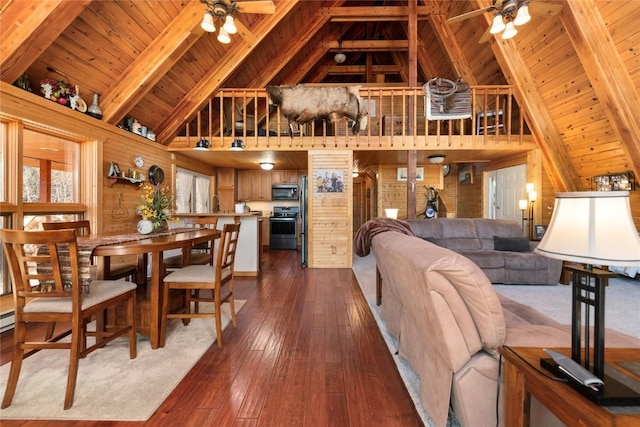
x: 276, y: 197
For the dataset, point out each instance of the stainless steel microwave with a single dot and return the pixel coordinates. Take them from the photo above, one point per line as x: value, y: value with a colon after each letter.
x: 284, y: 192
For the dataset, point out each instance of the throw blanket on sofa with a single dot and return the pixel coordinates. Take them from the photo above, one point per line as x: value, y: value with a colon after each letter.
x: 375, y: 226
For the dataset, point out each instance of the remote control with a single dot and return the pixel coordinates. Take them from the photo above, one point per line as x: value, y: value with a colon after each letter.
x: 575, y: 371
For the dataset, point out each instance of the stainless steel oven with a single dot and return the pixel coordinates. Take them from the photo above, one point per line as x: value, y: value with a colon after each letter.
x: 283, y: 227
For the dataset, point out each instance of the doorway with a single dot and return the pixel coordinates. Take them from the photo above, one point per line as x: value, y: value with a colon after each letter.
x: 503, y: 188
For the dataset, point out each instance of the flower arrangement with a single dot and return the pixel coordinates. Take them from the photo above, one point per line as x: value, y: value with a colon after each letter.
x: 156, y: 204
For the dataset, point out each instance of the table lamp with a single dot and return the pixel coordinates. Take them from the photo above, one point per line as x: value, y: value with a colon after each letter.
x: 593, y: 228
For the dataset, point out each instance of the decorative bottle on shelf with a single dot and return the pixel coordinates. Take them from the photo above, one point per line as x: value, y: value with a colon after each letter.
x: 94, y: 109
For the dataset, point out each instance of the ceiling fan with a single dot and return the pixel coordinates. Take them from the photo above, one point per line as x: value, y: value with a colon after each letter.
x: 508, y: 14
x: 223, y: 10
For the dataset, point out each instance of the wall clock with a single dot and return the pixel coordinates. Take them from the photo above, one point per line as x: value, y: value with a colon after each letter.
x: 138, y: 161
x: 446, y: 169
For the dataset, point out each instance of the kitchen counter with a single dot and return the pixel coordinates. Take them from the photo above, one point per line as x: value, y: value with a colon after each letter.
x: 247, y: 261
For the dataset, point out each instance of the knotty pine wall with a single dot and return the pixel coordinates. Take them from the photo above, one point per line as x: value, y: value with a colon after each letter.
x: 393, y: 193
x: 330, y: 214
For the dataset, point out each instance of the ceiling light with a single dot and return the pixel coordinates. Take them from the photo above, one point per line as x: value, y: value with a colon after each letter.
x: 202, y: 145
x: 509, y: 31
x: 436, y: 158
x: 498, y: 25
x: 223, y: 36
x: 207, y: 22
x: 355, y: 174
x: 230, y: 25
x: 340, y: 57
x: 237, y: 145
x: 522, y: 17
x: 266, y: 166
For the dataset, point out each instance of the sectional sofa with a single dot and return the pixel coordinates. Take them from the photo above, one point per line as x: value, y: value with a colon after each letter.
x: 449, y: 322
x: 496, y: 246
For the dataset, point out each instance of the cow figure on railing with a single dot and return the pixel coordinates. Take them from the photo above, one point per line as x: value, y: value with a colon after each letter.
x: 301, y: 104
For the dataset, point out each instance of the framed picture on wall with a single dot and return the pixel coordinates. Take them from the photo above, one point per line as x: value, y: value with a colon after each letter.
x: 465, y: 175
x: 403, y: 174
x: 329, y: 181
x: 540, y: 230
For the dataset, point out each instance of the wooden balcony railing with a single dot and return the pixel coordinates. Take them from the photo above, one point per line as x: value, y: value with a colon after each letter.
x: 396, y: 118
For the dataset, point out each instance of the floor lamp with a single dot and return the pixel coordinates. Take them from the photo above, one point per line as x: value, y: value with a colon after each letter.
x: 592, y: 228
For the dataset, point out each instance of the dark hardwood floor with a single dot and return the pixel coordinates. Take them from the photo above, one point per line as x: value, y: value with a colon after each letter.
x: 307, y: 352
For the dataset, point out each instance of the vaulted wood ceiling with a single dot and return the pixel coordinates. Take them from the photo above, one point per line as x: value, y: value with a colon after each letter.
x: 576, y: 72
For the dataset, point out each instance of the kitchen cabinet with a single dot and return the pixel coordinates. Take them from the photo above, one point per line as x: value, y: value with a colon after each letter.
x: 254, y: 185
x: 284, y: 177
x: 265, y: 231
x: 226, y: 179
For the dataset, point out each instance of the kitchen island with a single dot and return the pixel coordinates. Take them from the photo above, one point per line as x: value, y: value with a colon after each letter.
x: 247, y: 261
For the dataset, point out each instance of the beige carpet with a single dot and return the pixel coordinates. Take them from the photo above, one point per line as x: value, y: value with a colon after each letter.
x: 110, y: 385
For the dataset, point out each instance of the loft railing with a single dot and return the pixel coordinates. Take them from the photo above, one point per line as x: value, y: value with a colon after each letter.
x: 396, y: 117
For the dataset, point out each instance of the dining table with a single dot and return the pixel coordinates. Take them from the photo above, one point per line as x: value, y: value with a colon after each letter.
x: 103, y: 246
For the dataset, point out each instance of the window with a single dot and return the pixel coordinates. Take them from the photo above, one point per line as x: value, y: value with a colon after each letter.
x: 49, y: 171
x: 192, y: 192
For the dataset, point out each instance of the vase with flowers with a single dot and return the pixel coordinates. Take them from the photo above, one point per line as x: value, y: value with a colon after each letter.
x: 156, y: 205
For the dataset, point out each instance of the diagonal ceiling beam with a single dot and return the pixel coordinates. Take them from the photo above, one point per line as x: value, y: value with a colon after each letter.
x: 32, y: 26
x: 153, y: 63
x: 199, y: 95
x: 607, y: 73
x: 529, y: 98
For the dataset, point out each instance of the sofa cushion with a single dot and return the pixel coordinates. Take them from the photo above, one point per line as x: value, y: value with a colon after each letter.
x: 525, y: 261
x: 487, y: 229
x: 511, y: 244
x: 485, y: 259
x: 425, y: 228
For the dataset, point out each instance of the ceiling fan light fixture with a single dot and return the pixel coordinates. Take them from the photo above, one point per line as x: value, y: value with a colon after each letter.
x: 523, y: 16
x: 498, y: 24
x: 223, y: 36
x: 267, y: 166
x: 509, y: 31
x: 230, y: 25
x: 207, y: 22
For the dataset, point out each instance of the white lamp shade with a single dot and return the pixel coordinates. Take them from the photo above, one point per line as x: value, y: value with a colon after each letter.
x: 528, y: 187
x: 497, y: 25
x: 533, y: 196
x: 592, y: 227
x: 522, y: 17
x: 391, y: 213
x: 509, y: 31
x: 522, y: 204
x: 230, y: 25
x: 207, y: 22
x: 223, y: 36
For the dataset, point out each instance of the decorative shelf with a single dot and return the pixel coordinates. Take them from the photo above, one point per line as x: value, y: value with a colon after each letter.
x: 614, y: 182
x: 124, y: 179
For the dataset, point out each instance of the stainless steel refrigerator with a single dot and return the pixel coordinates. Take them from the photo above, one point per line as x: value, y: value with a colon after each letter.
x: 304, y: 206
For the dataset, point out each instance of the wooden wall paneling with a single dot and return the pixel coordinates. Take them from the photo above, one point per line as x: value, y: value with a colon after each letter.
x: 330, y: 214
x: 469, y: 201
x: 393, y: 193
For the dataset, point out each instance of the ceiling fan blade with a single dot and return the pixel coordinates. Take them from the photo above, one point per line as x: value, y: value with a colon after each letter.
x: 266, y: 7
x: 486, y: 36
x: 539, y: 8
x: 468, y: 15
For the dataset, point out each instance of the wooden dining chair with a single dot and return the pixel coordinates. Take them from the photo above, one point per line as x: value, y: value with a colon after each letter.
x: 56, y: 297
x: 200, y: 254
x: 83, y: 228
x: 216, y: 279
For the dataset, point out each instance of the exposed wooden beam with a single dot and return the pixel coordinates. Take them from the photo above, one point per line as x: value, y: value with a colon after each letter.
x: 199, y: 95
x: 607, y: 73
x: 548, y: 137
x: 450, y: 44
x: 376, y: 13
x: 362, y: 69
x: 153, y: 63
x: 29, y: 28
x: 368, y: 45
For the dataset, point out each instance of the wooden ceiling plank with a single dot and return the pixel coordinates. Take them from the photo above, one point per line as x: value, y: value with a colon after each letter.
x: 199, y: 95
x: 153, y: 63
x: 369, y: 13
x: 450, y: 45
x: 32, y: 32
x: 528, y: 97
x: 368, y: 45
x: 610, y: 79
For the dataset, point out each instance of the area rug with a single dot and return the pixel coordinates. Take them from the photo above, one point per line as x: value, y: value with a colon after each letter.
x: 110, y: 385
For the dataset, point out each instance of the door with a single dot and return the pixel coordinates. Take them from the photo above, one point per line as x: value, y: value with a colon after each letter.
x: 504, y: 187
